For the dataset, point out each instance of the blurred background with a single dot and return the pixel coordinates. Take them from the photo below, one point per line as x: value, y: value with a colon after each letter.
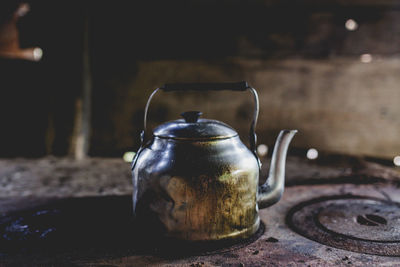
x: 74, y: 80
x: 75, y: 76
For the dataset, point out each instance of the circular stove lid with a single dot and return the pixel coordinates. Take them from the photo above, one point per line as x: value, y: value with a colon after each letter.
x: 355, y: 223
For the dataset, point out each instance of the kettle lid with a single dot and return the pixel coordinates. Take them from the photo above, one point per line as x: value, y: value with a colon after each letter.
x: 193, y: 128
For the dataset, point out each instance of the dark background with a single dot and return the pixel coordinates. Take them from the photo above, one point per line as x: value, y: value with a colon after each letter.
x: 37, y: 99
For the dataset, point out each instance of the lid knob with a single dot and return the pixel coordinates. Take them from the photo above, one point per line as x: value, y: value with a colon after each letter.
x: 191, y: 116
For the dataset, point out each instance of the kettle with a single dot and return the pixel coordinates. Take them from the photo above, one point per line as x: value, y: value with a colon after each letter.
x: 194, y: 179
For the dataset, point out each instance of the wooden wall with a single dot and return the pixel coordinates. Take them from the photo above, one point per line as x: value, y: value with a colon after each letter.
x: 298, y: 54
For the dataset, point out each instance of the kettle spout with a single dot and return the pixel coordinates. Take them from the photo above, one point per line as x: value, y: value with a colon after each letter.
x: 271, y: 192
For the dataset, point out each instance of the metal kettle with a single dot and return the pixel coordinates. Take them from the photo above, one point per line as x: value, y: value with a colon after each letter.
x: 194, y: 179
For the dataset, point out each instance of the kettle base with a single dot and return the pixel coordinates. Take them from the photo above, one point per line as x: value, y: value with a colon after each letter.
x: 240, y: 234
x: 173, y: 247
x: 245, y: 233
x: 209, y: 237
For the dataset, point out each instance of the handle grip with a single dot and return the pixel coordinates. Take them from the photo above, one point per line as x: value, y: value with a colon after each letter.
x: 237, y: 86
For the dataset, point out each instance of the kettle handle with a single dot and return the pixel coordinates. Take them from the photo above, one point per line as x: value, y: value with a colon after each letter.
x: 238, y: 86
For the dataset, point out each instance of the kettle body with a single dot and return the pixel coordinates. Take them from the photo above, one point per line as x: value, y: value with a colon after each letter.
x: 190, y: 193
x: 194, y: 179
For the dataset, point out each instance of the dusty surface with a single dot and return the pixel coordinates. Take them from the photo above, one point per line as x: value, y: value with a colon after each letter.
x: 279, y: 246
x: 95, y: 196
x: 64, y: 177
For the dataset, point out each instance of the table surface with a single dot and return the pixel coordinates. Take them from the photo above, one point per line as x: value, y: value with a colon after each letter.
x: 32, y: 185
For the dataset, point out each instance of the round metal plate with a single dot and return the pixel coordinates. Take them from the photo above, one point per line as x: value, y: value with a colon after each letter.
x: 354, y: 223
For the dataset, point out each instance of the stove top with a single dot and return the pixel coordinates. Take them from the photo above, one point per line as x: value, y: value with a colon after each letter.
x: 350, y: 222
x: 312, y: 225
x: 337, y: 222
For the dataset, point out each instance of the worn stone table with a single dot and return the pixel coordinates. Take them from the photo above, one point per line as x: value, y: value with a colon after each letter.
x: 83, y: 211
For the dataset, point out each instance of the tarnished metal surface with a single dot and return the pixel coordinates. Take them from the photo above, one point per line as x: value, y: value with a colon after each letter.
x: 197, y: 190
x: 204, y: 190
x: 356, y: 223
x: 195, y: 179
